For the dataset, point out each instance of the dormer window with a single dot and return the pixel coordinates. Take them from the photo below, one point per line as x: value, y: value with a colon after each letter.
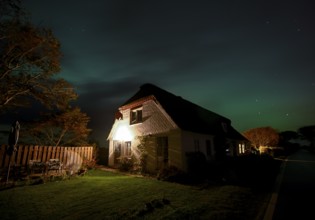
x: 136, y: 115
x: 224, y: 127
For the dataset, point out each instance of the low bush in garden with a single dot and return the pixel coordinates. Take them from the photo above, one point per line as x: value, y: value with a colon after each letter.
x: 126, y: 164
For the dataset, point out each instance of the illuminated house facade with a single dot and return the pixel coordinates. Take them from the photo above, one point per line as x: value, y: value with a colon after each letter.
x: 170, y: 127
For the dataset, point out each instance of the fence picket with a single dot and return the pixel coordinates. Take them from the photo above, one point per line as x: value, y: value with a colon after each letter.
x: 49, y: 153
x: 35, y: 152
x: 30, y: 153
x: 45, y: 151
x: 53, y: 153
x: 25, y: 154
x: 19, y: 155
x: 57, y: 153
x: 40, y: 153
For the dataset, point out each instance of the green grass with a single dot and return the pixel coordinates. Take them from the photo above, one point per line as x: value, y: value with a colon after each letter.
x: 107, y: 195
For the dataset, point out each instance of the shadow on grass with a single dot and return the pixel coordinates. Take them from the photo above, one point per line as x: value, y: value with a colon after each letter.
x: 255, y: 171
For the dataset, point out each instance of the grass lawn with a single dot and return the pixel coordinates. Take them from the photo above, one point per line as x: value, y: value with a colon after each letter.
x: 107, y: 195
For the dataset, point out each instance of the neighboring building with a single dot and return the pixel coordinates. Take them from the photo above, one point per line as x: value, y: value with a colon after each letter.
x: 170, y: 127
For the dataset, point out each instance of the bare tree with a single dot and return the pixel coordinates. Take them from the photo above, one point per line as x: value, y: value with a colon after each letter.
x: 263, y: 136
x: 65, y: 128
x: 29, y: 61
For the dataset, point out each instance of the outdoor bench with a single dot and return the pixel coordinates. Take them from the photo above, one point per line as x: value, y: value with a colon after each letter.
x: 54, y: 164
x: 35, y: 166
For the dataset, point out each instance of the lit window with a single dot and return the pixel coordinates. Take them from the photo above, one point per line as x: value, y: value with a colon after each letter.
x: 136, y: 116
x: 241, y: 148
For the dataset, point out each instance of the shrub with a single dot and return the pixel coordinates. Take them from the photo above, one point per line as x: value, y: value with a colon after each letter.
x: 89, y: 164
x: 171, y: 174
x: 143, y: 158
x: 126, y: 164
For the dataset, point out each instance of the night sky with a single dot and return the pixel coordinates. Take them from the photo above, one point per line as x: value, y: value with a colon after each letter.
x: 250, y: 61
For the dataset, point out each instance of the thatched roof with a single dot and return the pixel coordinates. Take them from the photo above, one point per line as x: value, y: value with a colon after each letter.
x: 187, y: 115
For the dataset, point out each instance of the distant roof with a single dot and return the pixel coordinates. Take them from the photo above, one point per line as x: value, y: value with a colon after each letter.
x: 187, y: 115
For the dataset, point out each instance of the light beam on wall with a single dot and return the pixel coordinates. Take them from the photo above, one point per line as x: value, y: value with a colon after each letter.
x: 123, y: 133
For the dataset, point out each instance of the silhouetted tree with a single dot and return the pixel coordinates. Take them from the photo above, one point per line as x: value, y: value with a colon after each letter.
x: 288, y: 135
x: 263, y: 136
x: 286, y: 140
x: 68, y: 128
x: 309, y: 133
x: 29, y: 62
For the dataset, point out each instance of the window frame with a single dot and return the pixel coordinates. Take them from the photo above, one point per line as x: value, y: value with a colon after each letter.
x: 136, y: 115
x: 128, y: 148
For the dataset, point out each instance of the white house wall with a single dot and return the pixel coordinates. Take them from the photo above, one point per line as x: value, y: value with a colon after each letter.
x: 155, y: 121
x: 175, y: 152
x: 188, y: 143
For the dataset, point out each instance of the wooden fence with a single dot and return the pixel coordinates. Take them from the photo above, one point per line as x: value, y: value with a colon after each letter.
x: 67, y: 155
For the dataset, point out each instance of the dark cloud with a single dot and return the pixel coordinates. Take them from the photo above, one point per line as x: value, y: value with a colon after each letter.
x: 105, y: 91
x: 101, y: 99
